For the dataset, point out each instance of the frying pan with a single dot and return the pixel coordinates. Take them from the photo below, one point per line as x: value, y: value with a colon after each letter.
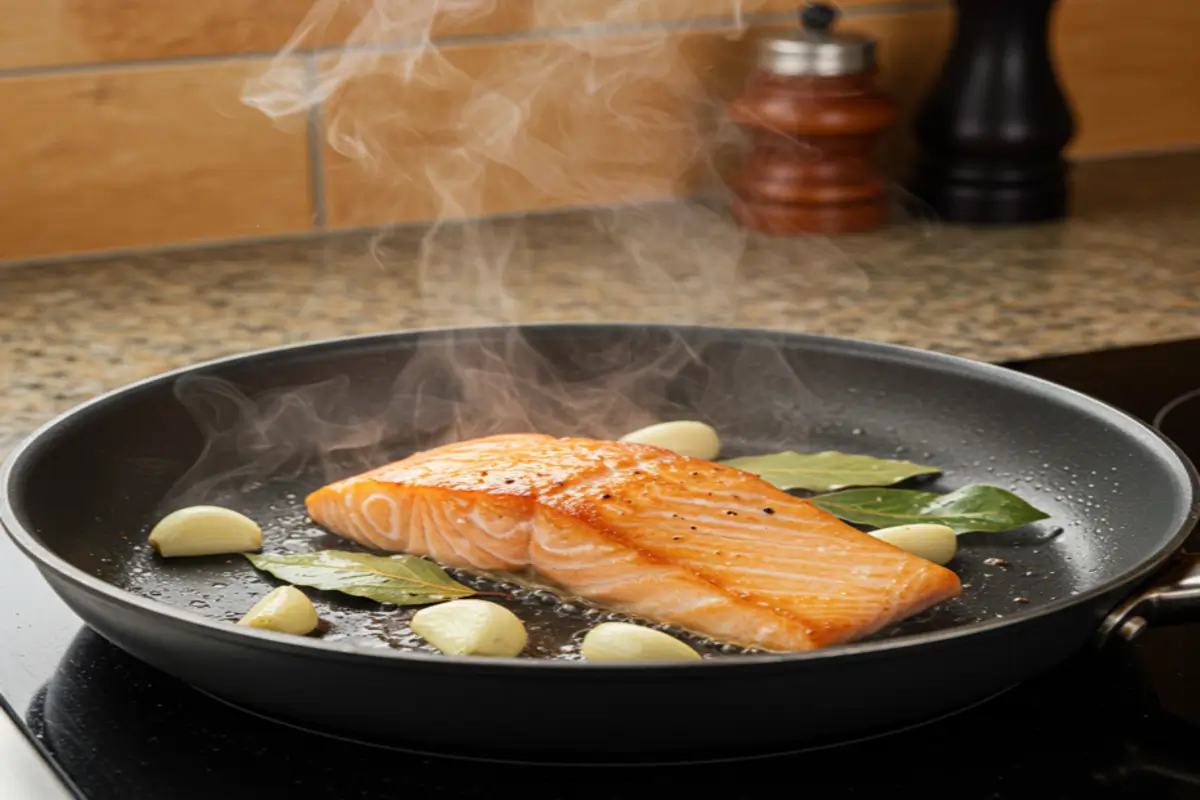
x: 257, y: 431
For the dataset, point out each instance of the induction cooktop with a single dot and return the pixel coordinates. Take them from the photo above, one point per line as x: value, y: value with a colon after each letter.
x: 1123, y: 721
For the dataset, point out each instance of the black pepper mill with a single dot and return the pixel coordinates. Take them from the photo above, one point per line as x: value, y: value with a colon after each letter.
x: 993, y: 128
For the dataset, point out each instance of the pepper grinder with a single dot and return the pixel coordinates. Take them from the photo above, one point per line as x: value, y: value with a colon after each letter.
x: 993, y: 128
x: 814, y: 116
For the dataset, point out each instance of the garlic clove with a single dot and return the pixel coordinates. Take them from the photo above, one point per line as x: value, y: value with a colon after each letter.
x: 684, y: 437
x: 205, y: 531
x: 286, y: 609
x: 936, y: 543
x: 471, y: 628
x: 622, y: 641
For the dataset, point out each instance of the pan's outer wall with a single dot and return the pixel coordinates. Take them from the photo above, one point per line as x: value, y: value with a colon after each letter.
x: 628, y: 715
x: 118, y: 456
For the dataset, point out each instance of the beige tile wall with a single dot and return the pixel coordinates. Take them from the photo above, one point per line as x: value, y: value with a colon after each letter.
x: 143, y: 156
x: 125, y: 125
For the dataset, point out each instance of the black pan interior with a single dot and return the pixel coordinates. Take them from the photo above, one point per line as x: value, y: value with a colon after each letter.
x: 258, y: 432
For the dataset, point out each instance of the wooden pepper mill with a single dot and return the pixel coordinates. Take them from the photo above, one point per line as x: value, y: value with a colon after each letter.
x: 814, y: 116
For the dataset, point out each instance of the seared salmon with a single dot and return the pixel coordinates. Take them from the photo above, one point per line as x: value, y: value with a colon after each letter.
x: 640, y: 530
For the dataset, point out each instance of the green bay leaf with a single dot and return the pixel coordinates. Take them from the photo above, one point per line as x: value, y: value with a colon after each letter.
x: 972, y: 508
x: 827, y: 471
x: 402, y: 579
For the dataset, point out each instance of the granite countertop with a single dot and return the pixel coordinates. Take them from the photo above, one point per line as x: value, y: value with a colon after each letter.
x: 1124, y: 270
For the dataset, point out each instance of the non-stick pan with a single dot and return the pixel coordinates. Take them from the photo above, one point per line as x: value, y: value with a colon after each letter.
x: 258, y: 431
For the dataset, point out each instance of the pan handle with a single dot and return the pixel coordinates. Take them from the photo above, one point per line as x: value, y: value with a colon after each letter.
x: 1173, y: 597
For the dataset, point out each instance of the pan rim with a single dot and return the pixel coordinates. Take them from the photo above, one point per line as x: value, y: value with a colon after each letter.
x: 46, y: 559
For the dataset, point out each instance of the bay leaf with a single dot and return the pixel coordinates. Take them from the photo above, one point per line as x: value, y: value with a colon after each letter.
x: 401, y: 579
x: 972, y: 508
x: 829, y: 470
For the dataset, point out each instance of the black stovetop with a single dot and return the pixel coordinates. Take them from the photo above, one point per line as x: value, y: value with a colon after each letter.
x: 1123, y: 722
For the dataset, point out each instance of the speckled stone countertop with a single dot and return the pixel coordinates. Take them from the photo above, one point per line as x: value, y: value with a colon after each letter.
x: 1124, y: 270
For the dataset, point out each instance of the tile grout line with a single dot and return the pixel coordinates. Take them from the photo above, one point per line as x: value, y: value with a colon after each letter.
x: 316, y: 149
x: 310, y: 235
x: 316, y: 235
x: 598, y: 29
x: 1137, y: 152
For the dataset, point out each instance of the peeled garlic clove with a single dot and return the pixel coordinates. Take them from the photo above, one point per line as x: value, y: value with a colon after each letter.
x: 685, y: 437
x: 286, y: 609
x: 621, y: 641
x: 936, y: 543
x: 205, y: 531
x: 471, y: 628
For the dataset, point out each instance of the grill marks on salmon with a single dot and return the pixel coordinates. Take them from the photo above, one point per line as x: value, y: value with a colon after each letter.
x: 637, y: 529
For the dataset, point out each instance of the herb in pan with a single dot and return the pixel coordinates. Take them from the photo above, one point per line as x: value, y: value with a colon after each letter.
x: 971, y: 508
x: 827, y: 471
x: 403, y: 580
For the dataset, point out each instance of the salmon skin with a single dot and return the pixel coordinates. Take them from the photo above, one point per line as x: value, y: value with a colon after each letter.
x: 637, y: 529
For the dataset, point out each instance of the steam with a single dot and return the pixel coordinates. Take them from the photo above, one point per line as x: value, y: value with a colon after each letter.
x: 452, y: 133
x: 594, y: 116
x: 452, y: 385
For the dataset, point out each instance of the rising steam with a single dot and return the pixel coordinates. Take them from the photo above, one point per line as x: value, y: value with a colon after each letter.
x: 451, y: 385
x: 594, y: 117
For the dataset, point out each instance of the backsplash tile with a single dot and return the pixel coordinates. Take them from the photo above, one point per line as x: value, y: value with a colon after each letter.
x: 532, y: 105
x: 1131, y: 69
x: 43, y: 33
x: 495, y: 127
x: 143, y: 156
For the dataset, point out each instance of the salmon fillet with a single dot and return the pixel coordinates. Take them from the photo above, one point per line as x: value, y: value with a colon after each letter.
x: 640, y: 530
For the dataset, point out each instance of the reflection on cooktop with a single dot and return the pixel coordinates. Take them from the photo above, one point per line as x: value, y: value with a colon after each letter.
x: 1159, y: 383
x: 123, y: 729
x: 1179, y: 420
